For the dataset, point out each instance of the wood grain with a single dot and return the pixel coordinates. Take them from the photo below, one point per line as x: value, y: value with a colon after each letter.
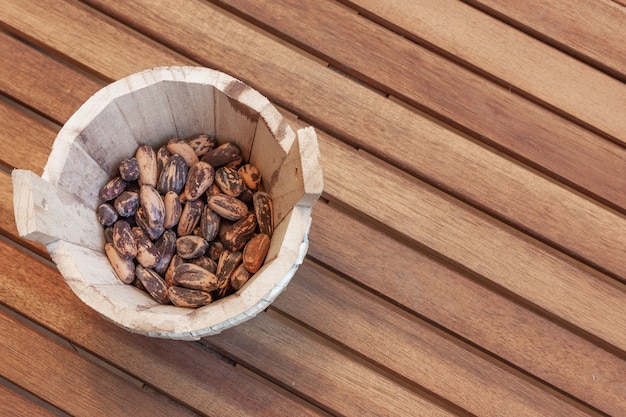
x: 517, y: 60
x: 45, y: 367
x: 169, y: 366
x: 341, y: 385
x: 592, y: 31
x: 14, y: 404
x: 454, y: 301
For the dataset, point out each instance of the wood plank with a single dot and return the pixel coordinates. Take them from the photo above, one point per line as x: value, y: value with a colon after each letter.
x: 592, y: 31
x: 14, y: 404
x: 520, y: 62
x: 412, y: 142
x: 209, y: 384
x: 44, y: 367
x: 17, y: 127
x: 339, y: 383
x: 447, y: 297
x: 414, y: 350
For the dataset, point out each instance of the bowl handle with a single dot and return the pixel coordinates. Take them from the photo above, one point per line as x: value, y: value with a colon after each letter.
x: 45, y: 213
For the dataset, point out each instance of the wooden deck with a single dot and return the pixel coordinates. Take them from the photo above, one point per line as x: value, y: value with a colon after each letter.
x: 468, y: 255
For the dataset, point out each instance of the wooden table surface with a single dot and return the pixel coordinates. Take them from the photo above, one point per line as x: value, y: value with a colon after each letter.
x: 467, y: 256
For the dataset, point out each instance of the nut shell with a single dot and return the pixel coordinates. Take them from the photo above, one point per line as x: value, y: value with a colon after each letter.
x: 153, y: 283
x: 227, y: 206
x: 189, y: 298
x: 192, y: 276
x: 255, y: 252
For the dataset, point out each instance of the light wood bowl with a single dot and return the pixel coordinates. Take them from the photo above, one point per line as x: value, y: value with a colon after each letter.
x: 58, y: 208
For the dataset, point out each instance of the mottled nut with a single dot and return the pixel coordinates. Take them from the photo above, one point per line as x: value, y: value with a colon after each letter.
x: 147, y: 253
x: 226, y: 265
x: 112, y: 189
x: 201, y: 144
x: 255, y: 251
x: 190, y: 217
x: 129, y: 169
x: 108, y: 234
x: 229, y: 181
x: 153, y: 283
x: 124, y: 240
x: 190, y: 246
x: 239, y: 277
x: 237, y: 235
x: 166, y: 245
x: 124, y: 268
x: 106, y: 214
x: 126, y: 203
x: 223, y: 155
x: 264, y: 211
x: 209, y: 224
x: 192, y: 276
x: 153, y: 207
x: 153, y: 232
x: 235, y: 163
x: 227, y: 206
x: 205, y: 262
x: 188, y: 298
x: 173, y: 176
x: 215, y: 250
x: 199, y: 179
x: 148, y: 170
x: 250, y: 175
x: 246, y: 196
x: 182, y: 148
x: 173, y: 209
x: 162, y: 156
x: 169, y: 273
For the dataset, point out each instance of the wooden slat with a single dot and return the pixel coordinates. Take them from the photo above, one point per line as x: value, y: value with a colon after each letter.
x: 45, y: 367
x: 591, y: 30
x: 338, y: 383
x: 518, y: 60
x: 462, y: 166
x: 414, y: 350
x: 514, y: 262
x: 14, y: 404
x: 454, y: 301
x: 193, y: 375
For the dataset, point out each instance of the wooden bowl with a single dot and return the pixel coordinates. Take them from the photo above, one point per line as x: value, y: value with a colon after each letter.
x: 150, y: 107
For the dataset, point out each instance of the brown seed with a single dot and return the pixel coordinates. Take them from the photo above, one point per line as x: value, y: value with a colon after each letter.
x: 190, y: 217
x: 153, y: 207
x: 264, y: 211
x: 255, y: 252
x: 190, y: 246
x: 173, y: 176
x: 239, y: 233
x: 173, y: 209
x: 126, y: 204
x: 215, y: 250
x: 182, y: 148
x: 225, y: 266
x: 192, y: 276
x: 106, y: 214
x: 188, y: 298
x: 169, y: 273
x: 239, y: 277
x: 153, y: 232
x: 201, y: 144
x: 227, y: 206
x: 147, y: 162
x: 147, y: 253
x: 153, y: 283
x: 205, y: 262
x: 222, y: 155
x: 112, y: 189
x: 124, y: 240
x: 250, y: 175
x: 199, y: 179
x: 209, y: 224
x: 162, y: 156
x: 108, y: 234
x: 166, y: 245
x: 124, y: 268
x: 229, y: 181
x: 129, y: 169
